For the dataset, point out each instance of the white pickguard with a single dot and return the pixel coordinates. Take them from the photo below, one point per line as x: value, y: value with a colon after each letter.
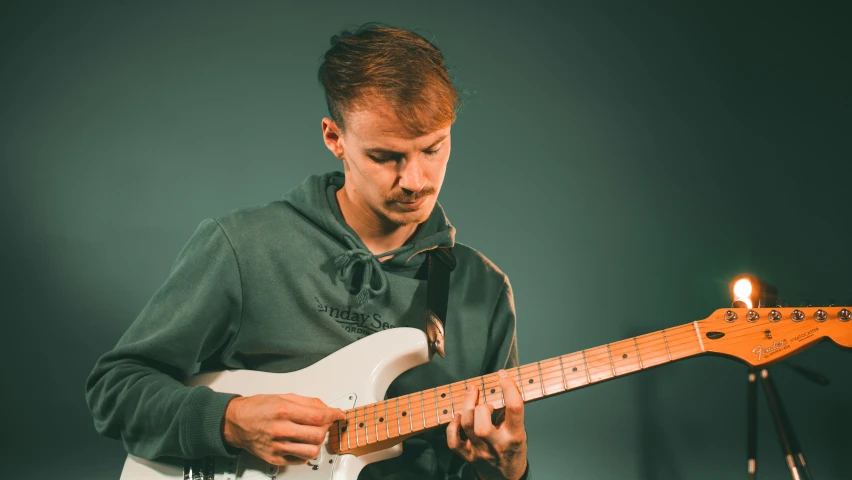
x: 358, y: 374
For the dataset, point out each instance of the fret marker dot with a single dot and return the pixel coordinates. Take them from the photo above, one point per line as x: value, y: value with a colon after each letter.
x: 445, y: 412
x: 624, y: 356
x: 574, y: 369
x: 343, y: 429
x: 404, y: 414
x: 531, y: 380
x: 443, y: 395
x: 492, y: 390
x: 361, y: 424
x: 381, y: 419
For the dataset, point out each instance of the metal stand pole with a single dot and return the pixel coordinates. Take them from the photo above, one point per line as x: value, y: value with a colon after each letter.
x: 789, y: 443
x: 752, y: 423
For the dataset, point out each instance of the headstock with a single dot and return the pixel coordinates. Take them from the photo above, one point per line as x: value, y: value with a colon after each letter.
x: 759, y: 336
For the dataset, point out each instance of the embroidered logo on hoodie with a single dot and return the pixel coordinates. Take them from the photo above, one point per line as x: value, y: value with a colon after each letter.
x: 359, y: 323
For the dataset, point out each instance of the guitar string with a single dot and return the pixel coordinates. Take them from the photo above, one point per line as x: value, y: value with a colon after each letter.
x: 673, y: 345
x: 686, y: 330
x: 534, y: 390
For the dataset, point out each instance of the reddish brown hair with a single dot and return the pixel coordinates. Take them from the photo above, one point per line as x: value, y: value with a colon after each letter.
x: 398, y: 66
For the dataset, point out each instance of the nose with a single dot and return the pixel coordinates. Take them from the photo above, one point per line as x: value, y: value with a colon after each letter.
x: 411, y: 175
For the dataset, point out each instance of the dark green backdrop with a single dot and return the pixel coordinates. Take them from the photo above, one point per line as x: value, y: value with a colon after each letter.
x: 620, y: 162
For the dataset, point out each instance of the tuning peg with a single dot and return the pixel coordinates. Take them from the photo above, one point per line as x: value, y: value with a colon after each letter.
x: 797, y: 315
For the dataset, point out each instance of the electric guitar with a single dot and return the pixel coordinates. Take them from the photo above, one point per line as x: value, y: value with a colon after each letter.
x: 356, y: 377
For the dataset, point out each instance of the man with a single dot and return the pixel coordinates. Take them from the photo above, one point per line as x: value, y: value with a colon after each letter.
x: 280, y: 286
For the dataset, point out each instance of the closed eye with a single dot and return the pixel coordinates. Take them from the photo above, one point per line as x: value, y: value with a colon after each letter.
x: 393, y: 158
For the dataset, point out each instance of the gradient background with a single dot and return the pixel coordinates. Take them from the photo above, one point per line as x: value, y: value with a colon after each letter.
x: 620, y: 162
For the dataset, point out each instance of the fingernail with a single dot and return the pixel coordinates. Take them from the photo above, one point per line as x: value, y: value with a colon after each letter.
x: 502, y: 373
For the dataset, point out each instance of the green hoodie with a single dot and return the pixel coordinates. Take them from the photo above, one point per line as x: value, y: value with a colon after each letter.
x: 276, y: 288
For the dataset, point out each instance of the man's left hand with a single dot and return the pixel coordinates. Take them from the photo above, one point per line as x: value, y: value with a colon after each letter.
x: 498, y: 452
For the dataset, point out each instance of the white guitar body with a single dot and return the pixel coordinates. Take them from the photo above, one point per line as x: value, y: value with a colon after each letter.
x: 358, y: 374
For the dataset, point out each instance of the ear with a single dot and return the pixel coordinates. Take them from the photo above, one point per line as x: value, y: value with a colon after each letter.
x: 332, y: 137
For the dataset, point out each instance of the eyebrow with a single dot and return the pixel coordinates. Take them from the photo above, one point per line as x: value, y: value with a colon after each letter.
x: 391, y: 152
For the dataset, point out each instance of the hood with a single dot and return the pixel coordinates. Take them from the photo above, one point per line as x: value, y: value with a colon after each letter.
x: 315, y: 200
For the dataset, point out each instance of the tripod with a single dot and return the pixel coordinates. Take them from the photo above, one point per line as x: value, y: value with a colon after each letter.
x: 789, y: 443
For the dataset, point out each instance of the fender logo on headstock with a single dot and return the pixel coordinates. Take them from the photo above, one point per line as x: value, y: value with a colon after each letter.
x: 778, y: 346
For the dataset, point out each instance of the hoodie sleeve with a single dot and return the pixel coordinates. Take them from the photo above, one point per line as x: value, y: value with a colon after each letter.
x: 135, y: 391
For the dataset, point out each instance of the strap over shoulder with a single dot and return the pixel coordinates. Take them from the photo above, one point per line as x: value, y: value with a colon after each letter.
x: 441, y: 263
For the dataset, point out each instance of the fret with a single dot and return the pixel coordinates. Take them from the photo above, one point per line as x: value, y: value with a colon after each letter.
x: 586, y: 364
x: 574, y: 363
x: 681, y: 349
x: 652, y: 348
x: 339, y: 437
x: 410, y: 420
x: 366, y: 428
x: 376, y: 420
x: 669, y: 352
x: 452, y: 402
x: 599, y: 364
x: 445, y: 410
x: 482, y: 381
x: 387, y: 420
x: 492, y: 390
x: 348, y: 432
x: 520, y: 385
x: 541, y: 379
x: 528, y: 377
x: 637, y: 352
x: 562, y: 370
x: 357, y: 441
x: 423, y: 408
x: 612, y: 365
x: 437, y: 411
x: 624, y: 357
x: 398, y: 419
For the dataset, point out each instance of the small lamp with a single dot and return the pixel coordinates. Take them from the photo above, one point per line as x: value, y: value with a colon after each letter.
x: 749, y: 291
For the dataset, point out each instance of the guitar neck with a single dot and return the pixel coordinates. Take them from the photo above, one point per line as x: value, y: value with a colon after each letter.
x: 407, y: 415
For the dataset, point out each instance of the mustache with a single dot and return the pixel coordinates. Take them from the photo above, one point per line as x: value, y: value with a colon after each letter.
x: 403, y: 197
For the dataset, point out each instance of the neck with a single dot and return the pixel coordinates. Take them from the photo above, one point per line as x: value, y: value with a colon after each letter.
x: 394, y: 419
x: 378, y: 234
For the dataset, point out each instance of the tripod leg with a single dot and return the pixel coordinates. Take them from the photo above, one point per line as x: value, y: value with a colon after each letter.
x: 752, y: 424
x: 789, y: 443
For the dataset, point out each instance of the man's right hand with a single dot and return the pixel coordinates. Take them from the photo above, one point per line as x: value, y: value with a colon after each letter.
x: 279, y: 429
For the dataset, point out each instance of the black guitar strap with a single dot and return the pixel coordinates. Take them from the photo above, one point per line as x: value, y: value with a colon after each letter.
x: 441, y: 263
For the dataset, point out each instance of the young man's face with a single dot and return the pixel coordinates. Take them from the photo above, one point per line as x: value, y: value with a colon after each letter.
x: 390, y: 176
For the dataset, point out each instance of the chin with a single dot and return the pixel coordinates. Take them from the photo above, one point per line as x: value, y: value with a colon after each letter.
x: 408, y: 218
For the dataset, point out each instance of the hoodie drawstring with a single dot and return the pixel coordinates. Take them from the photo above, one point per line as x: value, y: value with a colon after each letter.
x: 346, y: 261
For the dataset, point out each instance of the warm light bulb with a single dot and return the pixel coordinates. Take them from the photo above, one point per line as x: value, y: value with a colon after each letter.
x: 742, y: 289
